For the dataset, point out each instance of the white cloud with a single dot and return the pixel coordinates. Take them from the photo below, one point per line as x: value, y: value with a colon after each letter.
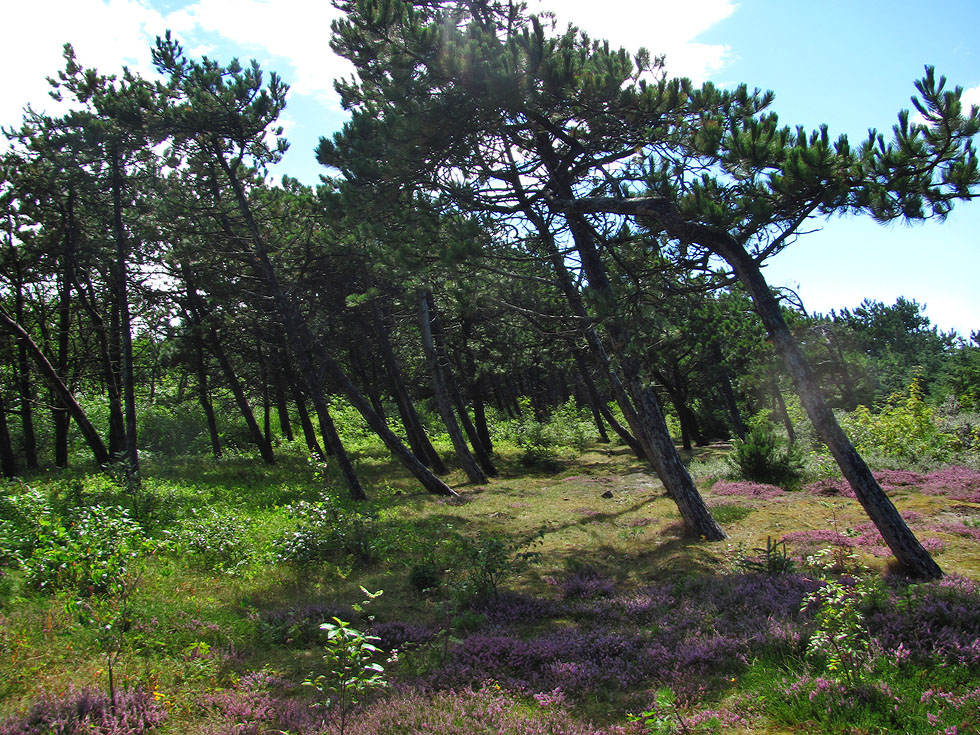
x: 661, y: 26
x: 295, y: 30
x: 971, y: 96
x: 105, y: 35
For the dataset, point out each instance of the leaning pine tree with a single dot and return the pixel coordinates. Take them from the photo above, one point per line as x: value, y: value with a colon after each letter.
x: 512, y: 122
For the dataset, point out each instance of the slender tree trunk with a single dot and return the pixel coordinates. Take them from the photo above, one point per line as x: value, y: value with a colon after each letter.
x: 24, y: 386
x: 198, y: 312
x: 779, y: 405
x: 282, y: 411
x: 370, y: 388
x: 204, y: 396
x: 591, y: 395
x: 59, y: 388
x: 8, y: 460
x: 59, y: 411
x: 306, y: 347
x: 902, y: 542
x: 418, y: 440
x: 879, y: 507
x: 266, y: 401
x: 480, y: 416
x: 309, y: 433
x: 727, y: 392
x: 441, y: 395
x: 117, y: 425
x: 125, y: 323
x: 241, y: 400
x: 647, y: 419
x: 442, y: 356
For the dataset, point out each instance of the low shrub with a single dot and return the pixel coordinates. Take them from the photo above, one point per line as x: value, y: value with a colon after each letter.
x: 96, y: 547
x: 88, y: 712
x: 217, y: 541
x: 765, y: 457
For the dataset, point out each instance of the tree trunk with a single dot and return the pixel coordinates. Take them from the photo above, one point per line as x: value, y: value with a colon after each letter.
x: 725, y: 384
x: 282, y: 406
x: 441, y: 395
x: 204, y: 396
x: 442, y: 355
x: 779, y: 405
x: 902, y: 542
x: 877, y: 505
x: 59, y: 388
x: 309, y: 433
x: 418, y: 440
x: 592, y: 395
x: 24, y: 387
x: 117, y: 424
x: 125, y: 325
x: 8, y: 461
x: 241, y: 400
x: 306, y: 347
x: 646, y: 420
x: 198, y: 313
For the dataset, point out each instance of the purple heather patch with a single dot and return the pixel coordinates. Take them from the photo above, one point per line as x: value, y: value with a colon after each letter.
x: 88, y: 711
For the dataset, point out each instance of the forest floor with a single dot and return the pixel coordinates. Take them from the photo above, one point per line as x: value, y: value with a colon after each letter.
x: 562, y: 597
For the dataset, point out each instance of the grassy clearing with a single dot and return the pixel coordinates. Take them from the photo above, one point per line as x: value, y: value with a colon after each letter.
x: 553, y: 597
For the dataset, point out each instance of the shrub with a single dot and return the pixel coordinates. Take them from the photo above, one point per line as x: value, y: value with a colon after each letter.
x: 96, y: 548
x: 88, y: 712
x: 22, y: 516
x: 326, y: 528
x: 765, y: 457
x: 907, y: 428
x: 217, y: 541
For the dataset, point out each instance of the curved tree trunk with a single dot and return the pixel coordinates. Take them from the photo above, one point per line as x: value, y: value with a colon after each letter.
x: 646, y: 420
x: 204, y: 396
x: 442, y: 355
x: 125, y: 326
x: 306, y: 347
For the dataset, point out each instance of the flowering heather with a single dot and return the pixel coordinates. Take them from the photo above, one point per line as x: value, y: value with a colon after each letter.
x: 396, y: 634
x: 747, y: 489
x: 486, y: 710
x: 960, y: 529
x: 585, y: 583
x: 252, y: 707
x: 691, y: 637
x: 892, y: 479
x: 959, y: 483
x: 935, y: 621
x: 835, y: 486
x: 88, y: 712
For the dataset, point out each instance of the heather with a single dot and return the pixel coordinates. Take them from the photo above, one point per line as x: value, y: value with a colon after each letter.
x: 563, y: 601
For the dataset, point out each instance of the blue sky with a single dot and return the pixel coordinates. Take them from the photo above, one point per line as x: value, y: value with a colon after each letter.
x: 847, y: 63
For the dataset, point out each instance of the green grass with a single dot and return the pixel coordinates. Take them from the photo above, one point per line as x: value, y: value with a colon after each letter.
x: 198, y: 629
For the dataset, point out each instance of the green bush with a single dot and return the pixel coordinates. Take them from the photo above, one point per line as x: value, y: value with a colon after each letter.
x: 327, y: 528
x: 907, y: 428
x: 89, y: 553
x: 764, y: 456
x: 217, y: 541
